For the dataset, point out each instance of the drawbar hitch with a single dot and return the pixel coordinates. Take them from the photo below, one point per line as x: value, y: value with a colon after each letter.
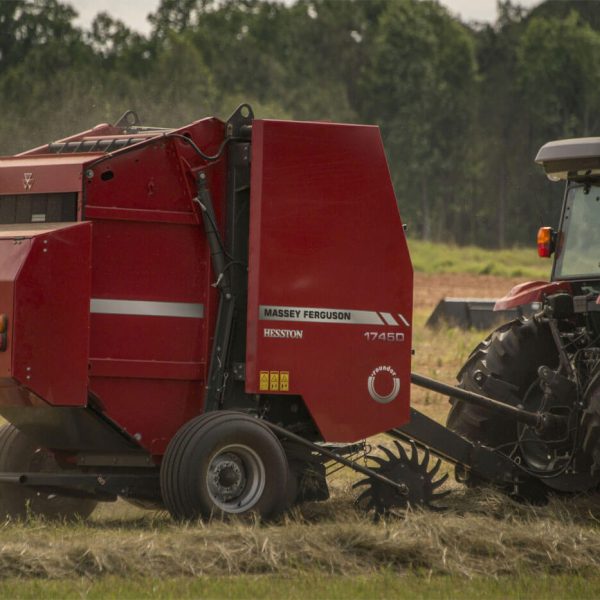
x: 542, y: 422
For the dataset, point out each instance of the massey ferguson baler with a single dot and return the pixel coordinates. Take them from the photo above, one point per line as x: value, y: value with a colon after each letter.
x: 206, y: 318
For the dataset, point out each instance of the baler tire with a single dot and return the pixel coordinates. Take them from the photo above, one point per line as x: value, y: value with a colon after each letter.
x: 512, y: 354
x: 19, y: 454
x: 190, y: 471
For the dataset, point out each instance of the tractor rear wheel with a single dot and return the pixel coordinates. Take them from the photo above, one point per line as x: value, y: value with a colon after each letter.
x: 223, y: 464
x: 19, y: 454
x: 503, y: 366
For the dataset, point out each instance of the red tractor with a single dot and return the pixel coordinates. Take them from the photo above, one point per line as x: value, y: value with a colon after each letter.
x: 550, y: 362
x: 205, y: 318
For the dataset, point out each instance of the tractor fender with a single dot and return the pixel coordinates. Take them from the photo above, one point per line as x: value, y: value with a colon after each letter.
x: 531, y: 291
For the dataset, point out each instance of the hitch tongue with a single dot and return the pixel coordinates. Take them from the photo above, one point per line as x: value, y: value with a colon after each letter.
x: 541, y: 422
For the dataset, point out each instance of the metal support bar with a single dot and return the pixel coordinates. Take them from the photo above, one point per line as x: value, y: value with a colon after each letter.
x: 445, y: 443
x: 564, y: 359
x: 220, y: 347
x: 105, y: 486
x: 540, y: 421
x: 281, y: 432
x: 213, y: 237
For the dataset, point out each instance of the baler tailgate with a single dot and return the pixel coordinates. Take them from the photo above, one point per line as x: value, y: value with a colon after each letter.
x: 330, y: 278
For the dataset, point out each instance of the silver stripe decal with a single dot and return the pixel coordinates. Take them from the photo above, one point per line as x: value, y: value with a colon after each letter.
x: 147, y: 308
x: 389, y: 319
x: 319, y: 315
x: 402, y: 318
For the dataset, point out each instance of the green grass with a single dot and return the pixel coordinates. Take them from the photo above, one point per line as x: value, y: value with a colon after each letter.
x: 385, y: 584
x: 432, y: 258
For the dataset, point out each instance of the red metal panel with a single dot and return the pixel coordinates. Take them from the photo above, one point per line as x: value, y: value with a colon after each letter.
x: 42, y: 174
x: 50, y: 329
x: 531, y: 291
x: 326, y: 242
x: 154, y: 176
x: 12, y: 256
x: 151, y: 410
x: 149, y: 371
x: 148, y: 177
x: 150, y: 364
x: 134, y: 214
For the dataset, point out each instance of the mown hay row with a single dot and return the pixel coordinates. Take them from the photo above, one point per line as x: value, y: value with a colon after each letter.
x: 482, y: 533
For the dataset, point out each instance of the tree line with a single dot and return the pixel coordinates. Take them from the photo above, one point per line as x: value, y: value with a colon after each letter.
x: 463, y: 107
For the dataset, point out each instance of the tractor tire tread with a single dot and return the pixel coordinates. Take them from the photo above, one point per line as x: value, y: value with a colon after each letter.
x: 511, y: 353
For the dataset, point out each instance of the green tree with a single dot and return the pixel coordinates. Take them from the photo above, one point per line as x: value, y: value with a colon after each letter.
x: 418, y: 83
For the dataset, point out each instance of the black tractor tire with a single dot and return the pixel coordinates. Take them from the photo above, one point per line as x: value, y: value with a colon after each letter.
x: 510, y: 355
x: 19, y: 454
x: 224, y: 464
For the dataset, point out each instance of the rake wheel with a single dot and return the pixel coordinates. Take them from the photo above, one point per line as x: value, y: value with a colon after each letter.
x: 412, y: 472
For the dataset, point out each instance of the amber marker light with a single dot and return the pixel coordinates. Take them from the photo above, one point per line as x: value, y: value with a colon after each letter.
x: 545, y: 242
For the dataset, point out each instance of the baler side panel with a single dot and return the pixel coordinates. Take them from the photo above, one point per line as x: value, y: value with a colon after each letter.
x: 153, y: 307
x: 12, y: 257
x: 50, y: 329
x: 42, y: 174
x: 330, y: 277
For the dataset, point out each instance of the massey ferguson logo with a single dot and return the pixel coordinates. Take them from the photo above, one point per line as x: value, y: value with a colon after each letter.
x: 290, y: 334
x: 27, y: 180
x: 383, y: 384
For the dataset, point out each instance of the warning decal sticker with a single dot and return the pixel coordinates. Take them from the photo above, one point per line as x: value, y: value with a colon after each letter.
x: 274, y: 381
x: 264, y: 381
x: 284, y: 381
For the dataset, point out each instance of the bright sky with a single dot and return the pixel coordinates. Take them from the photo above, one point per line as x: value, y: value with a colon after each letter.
x: 134, y: 12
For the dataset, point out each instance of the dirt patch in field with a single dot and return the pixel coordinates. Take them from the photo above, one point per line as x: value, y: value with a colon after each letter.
x: 430, y: 289
x: 439, y: 353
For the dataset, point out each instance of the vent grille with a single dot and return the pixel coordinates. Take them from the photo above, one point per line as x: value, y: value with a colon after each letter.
x: 38, y: 208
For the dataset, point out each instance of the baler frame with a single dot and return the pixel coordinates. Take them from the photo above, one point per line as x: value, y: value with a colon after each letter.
x: 482, y: 462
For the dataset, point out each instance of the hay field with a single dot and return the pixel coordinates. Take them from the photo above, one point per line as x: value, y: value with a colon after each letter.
x: 484, y: 545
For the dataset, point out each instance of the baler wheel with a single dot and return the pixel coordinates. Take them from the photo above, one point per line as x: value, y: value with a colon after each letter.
x: 222, y: 464
x: 20, y: 454
x: 412, y: 472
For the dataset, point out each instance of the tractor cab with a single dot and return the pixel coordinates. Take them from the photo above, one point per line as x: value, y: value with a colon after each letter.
x: 576, y: 245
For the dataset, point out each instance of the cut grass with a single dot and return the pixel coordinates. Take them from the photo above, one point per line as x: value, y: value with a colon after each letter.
x: 482, y: 534
x: 428, y: 257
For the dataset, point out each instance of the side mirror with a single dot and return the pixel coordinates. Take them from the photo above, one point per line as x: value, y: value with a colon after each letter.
x: 546, y: 242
